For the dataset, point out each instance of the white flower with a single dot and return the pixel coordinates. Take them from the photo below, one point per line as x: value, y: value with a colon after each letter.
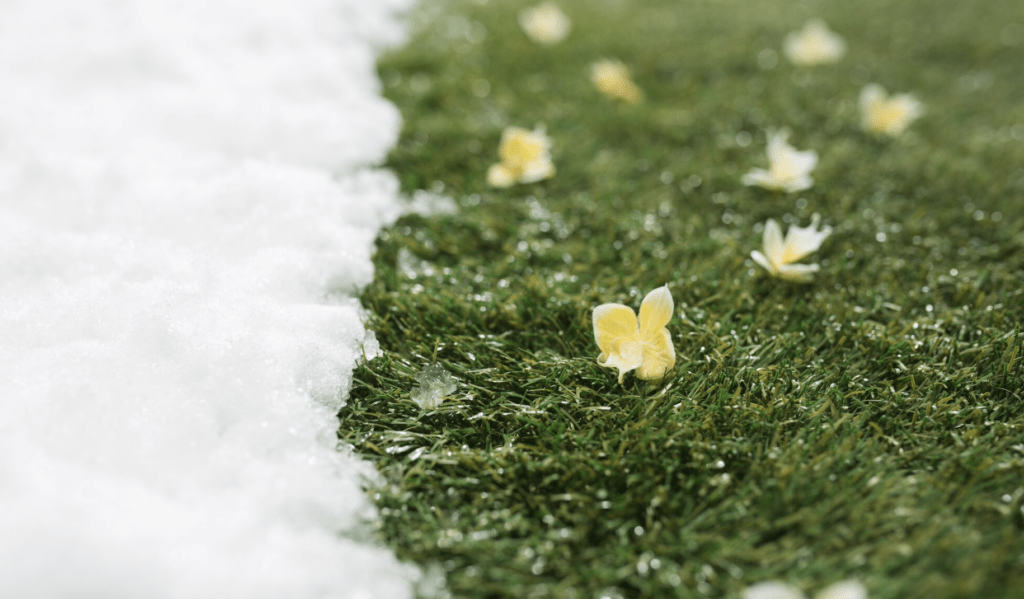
x: 779, y: 255
x: 613, y: 79
x: 545, y: 24
x: 773, y: 589
x: 881, y: 113
x: 788, y: 168
x: 814, y: 44
x: 525, y: 157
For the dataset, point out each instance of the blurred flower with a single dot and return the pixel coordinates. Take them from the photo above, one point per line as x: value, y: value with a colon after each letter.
x: 612, y: 78
x: 545, y: 23
x: 643, y: 345
x: 788, y: 168
x: 847, y: 589
x: 779, y: 255
x: 881, y: 113
x: 525, y: 157
x: 772, y: 589
x: 814, y: 44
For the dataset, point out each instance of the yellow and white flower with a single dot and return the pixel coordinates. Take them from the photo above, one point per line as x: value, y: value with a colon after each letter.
x: 889, y: 115
x: 525, y: 157
x: 779, y: 255
x: 628, y: 343
x: 847, y: 589
x: 814, y: 44
x: 612, y: 78
x: 788, y: 168
x: 545, y: 23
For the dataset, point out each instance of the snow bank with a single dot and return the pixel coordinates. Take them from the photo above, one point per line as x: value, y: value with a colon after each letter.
x: 185, y: 213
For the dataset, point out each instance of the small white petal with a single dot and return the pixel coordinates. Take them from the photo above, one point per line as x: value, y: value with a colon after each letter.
x: 538, y: 170
x: 804, y: 161
x: 798, y: 184
x: 499, y: 176
x: 871, y: 94
x: 772, y: 590
x: 801, y: 241
x: 759, y: 177
x: 778, y: 145
x: 762, y: 260
x: 774, y: 248
x: 847, y: 589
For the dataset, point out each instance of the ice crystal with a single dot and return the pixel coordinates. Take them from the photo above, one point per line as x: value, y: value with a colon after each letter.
x: 434, y: 383
x: 371, y: 347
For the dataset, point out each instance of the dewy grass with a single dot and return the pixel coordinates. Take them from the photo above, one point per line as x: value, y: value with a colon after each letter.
x: 867, y: 425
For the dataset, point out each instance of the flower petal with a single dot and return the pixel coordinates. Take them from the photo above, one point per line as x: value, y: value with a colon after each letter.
x: 628, y: 356
x: 801, y: 241
x: 803, y: 161
x: 772, y: 589
x: 778, y: 146
x: 614, y: 324
x: 847, y: 589
x: 774, y: 249
x: 761, y: 178
x: 500, y: 176
x: 655, y: 312
x: 870, y: 95
x: 659, y: 356
x: 537, y: 170
x: 762, y: 260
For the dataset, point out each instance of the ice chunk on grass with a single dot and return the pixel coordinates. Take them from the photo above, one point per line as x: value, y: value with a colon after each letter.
x: 434, y: 383
x: 371, y: 347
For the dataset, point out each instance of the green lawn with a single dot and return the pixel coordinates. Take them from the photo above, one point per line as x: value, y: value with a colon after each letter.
x: 867, y: 425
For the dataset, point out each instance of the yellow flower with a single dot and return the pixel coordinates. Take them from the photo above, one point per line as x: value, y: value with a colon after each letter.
x: 612, y: 78
x: 881, y: 113
x: 545, y: 23
x: 525, y: 158
x: 788, y: 168
x: 643, y: 345
x: 814, y: 44
x: 779, y: 255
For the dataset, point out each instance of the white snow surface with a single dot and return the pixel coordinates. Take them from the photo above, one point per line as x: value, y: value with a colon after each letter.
x: 187, y: 206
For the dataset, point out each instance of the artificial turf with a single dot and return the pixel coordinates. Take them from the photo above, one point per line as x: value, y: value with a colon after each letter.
x: 868, y: 425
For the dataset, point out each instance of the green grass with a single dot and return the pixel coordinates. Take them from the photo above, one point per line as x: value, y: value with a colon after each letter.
x: 867, y: 425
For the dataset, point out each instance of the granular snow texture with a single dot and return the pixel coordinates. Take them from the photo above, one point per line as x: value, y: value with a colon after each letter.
x: 187, y: 205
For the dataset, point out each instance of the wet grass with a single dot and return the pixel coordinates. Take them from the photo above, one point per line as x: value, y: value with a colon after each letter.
x: 867, y: 425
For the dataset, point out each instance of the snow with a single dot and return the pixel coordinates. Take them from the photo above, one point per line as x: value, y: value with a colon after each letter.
x: 187, y: 209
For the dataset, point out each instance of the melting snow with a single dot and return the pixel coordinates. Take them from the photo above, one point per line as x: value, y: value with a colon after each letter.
x: 186, y: 210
